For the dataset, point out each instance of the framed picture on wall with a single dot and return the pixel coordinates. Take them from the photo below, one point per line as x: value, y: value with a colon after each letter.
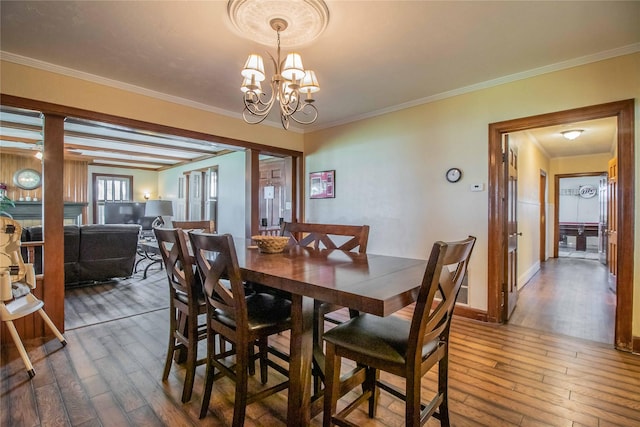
x: 322, y: 185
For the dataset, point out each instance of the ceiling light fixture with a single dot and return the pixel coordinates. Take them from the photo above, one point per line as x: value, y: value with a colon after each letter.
x: 39, y: 149
x: 296, y: 23
x: 290, y: 83
x: 572, y: 134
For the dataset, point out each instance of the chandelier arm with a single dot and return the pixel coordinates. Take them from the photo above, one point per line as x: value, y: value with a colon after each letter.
x: 285, y: 121
x: 258, y: 107
x: 311, y: 110
x: 252, y: 118
x: 256, y: 104
x: 291, y: 103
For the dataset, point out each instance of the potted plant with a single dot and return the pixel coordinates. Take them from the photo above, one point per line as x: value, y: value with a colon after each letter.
x: 5, y: 201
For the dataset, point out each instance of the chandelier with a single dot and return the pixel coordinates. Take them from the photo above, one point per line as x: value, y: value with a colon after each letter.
x: 291, y: 86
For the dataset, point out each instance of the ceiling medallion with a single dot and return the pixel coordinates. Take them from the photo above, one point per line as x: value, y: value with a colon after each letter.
x: 252, y: 19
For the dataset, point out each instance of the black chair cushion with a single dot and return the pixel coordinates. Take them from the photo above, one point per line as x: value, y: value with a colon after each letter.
x: 384, y: 338
x: 182, y: 297
x: 264, y: 311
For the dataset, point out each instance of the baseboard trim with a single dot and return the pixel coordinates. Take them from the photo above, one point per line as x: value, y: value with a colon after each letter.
x: 470, y: 313
x: 635, y: 345
x: 527, y: 275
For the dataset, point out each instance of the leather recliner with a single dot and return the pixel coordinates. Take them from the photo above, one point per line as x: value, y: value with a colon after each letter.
x: 92, y: 253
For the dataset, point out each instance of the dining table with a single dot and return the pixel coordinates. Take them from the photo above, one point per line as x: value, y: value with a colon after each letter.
x: 370, y: 283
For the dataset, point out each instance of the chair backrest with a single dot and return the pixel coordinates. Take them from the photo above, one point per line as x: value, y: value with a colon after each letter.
x: 207, y: 226
x: 10, y: 256
x: 325, y: 236
x: 179, y: 264
x: 217, y: 264
x: 445, y: 272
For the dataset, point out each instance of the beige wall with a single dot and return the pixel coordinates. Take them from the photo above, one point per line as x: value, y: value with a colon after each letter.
x: 577, y: 164
x: 390, y: 169
x: 27, y: 82
x: 531, y: 161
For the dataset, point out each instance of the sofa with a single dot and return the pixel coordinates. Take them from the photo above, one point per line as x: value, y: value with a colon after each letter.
x: 92, y: 253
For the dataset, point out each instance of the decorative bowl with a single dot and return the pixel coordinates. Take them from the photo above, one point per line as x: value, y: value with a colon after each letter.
x: 270, y: 244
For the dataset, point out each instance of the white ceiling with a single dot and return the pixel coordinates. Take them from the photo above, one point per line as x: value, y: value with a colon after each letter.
x: 374, y: 56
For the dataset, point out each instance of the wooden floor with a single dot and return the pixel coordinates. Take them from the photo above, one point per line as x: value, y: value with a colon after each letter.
x: 500, y: 375
x: 569, y: 296
x: 120, y: 298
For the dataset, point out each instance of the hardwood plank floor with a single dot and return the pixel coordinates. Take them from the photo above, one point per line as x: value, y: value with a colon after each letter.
x: 120, y: 298
x: 500, y: 375
x: 569, y: 296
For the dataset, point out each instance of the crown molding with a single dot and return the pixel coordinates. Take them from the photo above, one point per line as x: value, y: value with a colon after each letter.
x: 30, y: 62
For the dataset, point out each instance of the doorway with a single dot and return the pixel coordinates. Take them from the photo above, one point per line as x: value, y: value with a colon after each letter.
x: 623, y: 111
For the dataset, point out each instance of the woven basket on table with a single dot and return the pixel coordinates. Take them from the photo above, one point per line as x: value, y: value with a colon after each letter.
x: 270, y: 244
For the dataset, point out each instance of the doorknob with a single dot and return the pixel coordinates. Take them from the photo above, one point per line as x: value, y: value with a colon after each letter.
x: 519, y: 234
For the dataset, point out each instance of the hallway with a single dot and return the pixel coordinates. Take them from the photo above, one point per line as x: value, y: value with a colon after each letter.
x: 569, y: 296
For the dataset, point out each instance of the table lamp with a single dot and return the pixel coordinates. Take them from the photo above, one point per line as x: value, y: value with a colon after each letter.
x: 158, y: 209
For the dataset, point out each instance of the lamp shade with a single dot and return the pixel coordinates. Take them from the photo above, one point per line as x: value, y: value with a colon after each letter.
x: 310, y: 82
x: 293, y: 67
x: 254, y: 67
x: 156, y: 208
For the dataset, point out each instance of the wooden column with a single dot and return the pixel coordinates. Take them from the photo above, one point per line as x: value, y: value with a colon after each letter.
x: 252, y: 183
x: 53, y: 259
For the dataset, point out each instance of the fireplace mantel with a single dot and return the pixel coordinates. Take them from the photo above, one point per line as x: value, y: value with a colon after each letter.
x: 33, y: 210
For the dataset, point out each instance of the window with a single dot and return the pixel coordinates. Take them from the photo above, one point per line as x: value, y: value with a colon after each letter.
x: 109, y: 188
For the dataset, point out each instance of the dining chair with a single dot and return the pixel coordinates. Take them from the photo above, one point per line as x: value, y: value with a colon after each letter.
x: 242, y: 320
x: 186, y: 303
x: 17, y: 280
x: 326, y: 236
x: 402, y: 348
x: 207, y: 226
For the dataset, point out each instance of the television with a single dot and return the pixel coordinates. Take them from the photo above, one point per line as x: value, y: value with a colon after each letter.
x: 127, y: 213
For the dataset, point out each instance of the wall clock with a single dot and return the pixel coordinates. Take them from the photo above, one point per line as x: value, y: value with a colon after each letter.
x: 27, y: 179
x: 454, y: 175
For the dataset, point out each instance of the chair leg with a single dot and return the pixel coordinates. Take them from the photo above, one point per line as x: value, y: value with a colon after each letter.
x: 318, y: 332
x: 209, y: 375
x: 192, y: 358
x: 172, y: 344
x: 252, y: 361
x: 242, y: 379
x: 443, y: 389
x: 332, y: 384
x: 21, y: 350
x: 51, y: 326
x: 264, y: 354
x: 371, y: 380
x: 412, y: 404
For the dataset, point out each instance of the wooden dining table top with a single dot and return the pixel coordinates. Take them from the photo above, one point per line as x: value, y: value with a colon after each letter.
x: 376, y: 284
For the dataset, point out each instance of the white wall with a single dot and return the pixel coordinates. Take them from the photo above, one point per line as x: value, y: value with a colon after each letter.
x: 231, y: 189
x: 575, y: 208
